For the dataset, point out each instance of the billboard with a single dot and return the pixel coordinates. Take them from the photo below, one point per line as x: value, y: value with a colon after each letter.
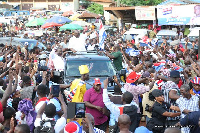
x: 178, y: 15
x: 145, y: 13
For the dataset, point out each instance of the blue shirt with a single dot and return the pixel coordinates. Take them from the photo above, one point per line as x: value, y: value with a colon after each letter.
x: 56, y: 102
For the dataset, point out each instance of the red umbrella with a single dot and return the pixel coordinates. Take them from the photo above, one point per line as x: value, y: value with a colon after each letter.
x: 52, y: 24
x: 67, y: 13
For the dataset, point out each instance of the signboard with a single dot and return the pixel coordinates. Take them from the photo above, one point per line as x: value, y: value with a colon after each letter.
x: 145, y: 13
x: 178, y: 15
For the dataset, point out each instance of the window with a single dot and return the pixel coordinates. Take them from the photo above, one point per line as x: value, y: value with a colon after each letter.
x: 102, y: 68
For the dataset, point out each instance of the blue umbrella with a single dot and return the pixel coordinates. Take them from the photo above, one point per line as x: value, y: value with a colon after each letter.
x: 58, y: 20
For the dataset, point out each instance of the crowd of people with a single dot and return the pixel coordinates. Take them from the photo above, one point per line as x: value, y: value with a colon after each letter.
x: 160, y: 86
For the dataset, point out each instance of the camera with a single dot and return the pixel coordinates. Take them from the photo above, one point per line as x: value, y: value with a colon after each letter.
x: 58, y: 73
x: 110, y: 79
x: 147, y: 108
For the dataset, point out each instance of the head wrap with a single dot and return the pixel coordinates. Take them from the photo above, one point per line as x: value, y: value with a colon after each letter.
x: 26, y: 107
x: 83, y: 69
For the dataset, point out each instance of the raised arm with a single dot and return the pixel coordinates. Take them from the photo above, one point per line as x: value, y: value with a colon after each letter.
x: 110, y: 105
x: 16, y: 82
x: 63, y: 106
x: 8, y: 90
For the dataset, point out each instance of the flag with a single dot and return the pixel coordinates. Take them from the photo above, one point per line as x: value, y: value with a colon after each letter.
x: 132, y: 52
x: 102, y: 35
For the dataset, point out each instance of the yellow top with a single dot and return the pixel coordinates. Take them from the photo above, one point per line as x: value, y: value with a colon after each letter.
x: 80, y: 91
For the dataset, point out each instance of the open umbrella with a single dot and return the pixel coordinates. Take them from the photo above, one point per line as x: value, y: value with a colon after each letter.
x: 67, y: 13
x: 58, y: 20
x: 81, y: 23
x: 47, y: 25
x: 71, y: 27
x: 36, y: 22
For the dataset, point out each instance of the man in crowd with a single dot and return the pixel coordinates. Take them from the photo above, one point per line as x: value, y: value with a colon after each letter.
x: 116, y: 56
x: 78, y: 86
x: 73, y: 42
x: 124, y: 123
x: 172, y: 93
x: 187, y: 103
x: 94, y: 105
x: 128, y: 107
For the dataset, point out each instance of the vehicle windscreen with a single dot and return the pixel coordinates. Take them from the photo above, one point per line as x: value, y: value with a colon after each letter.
x: 100, y: 68
x: 31, y: 44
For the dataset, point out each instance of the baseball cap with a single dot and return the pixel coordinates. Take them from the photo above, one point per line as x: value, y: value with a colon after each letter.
x: 132, y: 77
x: 157, y: 93
x: 174, y: 74
x: 97, y: 81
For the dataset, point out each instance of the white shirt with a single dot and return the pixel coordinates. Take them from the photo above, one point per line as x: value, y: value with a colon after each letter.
x: 114, y: 109
x: 58, y: 63
x: 77, y: 44
x: 38, y: 106
x: 91, y: 47
x: 83, y: 36
x: 64, y: 45
x: 60, y: 124
x: 191, y: 104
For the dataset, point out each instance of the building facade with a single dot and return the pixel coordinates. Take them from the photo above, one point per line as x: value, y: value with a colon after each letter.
x: 45, y: 4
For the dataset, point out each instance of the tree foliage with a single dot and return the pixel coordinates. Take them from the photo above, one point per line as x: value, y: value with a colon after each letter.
x: 141, y: 2
x: 96, y: 8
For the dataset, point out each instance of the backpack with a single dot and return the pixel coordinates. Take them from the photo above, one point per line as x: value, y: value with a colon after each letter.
x: 131, y: 111
x: 45, y: 129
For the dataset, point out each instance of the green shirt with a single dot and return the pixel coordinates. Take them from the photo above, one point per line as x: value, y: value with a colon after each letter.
x: 187, y: 31
x: 117, y: 61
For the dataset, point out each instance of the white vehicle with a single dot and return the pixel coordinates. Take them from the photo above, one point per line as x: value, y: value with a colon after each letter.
x: 166, y: 33
x: 135, y: 34
x: 194, y: 34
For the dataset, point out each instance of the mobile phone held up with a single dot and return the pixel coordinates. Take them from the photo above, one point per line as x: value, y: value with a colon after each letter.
x: 75, y: 110
x: 80, y: 110
x: 55, y: 90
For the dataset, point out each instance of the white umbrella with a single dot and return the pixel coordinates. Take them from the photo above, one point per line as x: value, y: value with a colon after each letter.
x: 81, y: 23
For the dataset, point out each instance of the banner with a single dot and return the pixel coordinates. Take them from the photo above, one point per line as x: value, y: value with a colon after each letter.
x: 178, y: 15
x: 145, y: 13
x: 102, y: 35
